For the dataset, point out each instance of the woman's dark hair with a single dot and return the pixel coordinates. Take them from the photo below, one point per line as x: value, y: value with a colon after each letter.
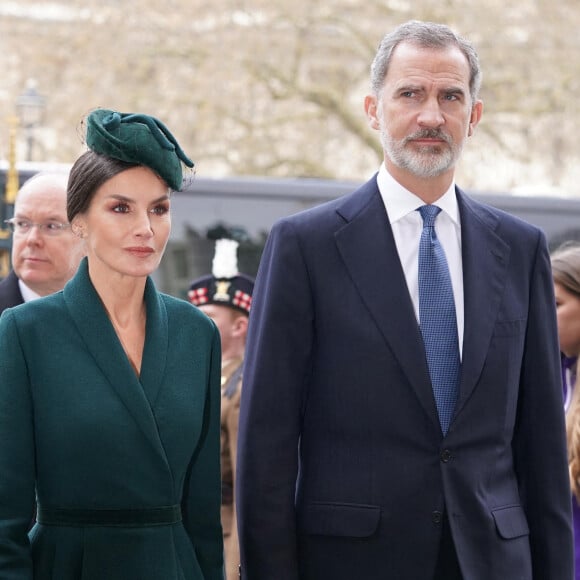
x: 87, y: 174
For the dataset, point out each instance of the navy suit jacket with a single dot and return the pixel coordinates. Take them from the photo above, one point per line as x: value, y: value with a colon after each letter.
x: 343, y: 471
x: 10, y: 294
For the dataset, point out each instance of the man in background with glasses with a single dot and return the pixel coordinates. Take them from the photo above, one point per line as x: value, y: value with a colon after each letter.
x: 45, y: 252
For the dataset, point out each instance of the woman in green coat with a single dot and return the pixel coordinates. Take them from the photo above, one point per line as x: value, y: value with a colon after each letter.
x: 110, y: 390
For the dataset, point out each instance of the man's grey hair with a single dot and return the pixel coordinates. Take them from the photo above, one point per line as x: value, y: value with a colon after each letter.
x: 424, y: 35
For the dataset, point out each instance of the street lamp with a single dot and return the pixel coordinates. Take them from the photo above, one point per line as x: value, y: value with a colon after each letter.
x: 30, y: 106
x: 7, y: 200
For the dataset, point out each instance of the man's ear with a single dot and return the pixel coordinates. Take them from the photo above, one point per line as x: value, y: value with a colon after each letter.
x: 371, y: 110
x: 475, y: 117
x: 240, y: 325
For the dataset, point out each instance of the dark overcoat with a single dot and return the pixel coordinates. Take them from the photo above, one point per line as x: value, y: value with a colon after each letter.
x: 10, y: 294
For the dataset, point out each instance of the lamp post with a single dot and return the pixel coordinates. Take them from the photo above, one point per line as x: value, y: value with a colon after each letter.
x: 8, y: 198
x: 30, y: 106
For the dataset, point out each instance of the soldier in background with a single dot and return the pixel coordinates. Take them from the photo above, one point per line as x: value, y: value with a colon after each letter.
x: 226, y: 296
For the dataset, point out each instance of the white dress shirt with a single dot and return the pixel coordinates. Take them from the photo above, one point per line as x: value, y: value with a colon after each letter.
x: 27, y: 293
x: 407, y: 225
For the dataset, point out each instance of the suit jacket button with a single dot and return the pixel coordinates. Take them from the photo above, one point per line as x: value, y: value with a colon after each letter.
x: 445, y: 455
x: 436, y: 517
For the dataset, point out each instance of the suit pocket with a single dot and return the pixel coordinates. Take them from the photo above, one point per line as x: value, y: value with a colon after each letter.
x: 511, y: 522
x: 339, y: 519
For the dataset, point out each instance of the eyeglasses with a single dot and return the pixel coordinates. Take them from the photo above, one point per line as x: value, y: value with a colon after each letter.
x: 22, y: 227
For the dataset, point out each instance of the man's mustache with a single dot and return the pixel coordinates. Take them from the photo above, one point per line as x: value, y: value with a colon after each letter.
x: 429, y: 134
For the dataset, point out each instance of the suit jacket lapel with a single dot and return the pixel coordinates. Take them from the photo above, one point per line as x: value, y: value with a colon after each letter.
x: 368, y: 249
x: 92, y: 322
x: 485, y: 260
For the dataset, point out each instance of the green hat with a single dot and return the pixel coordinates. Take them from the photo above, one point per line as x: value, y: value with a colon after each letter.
x: 140, y: 139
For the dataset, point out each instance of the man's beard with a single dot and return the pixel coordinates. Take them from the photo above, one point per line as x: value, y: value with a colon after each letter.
x: 424, y: 161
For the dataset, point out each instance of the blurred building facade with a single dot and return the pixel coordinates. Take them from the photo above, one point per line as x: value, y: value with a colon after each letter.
x: 245, y: 209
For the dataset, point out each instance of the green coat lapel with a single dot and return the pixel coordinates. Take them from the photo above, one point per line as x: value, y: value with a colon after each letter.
x: 153, y: 365
x: 90, y: 318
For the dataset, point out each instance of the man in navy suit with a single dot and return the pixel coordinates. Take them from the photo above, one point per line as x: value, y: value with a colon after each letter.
x: 345, y: 470
x: 45, y: 252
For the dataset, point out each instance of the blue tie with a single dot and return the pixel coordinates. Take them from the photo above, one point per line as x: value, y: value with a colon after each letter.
x: 437, y: 318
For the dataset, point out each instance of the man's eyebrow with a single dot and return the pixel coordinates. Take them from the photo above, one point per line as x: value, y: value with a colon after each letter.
x: 454, y: 90
x: 409, y: 87
x: 47, y: 218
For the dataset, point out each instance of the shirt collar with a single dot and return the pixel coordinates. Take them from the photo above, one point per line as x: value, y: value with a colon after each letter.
x: 27, y: 293
x: 400, y: 202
